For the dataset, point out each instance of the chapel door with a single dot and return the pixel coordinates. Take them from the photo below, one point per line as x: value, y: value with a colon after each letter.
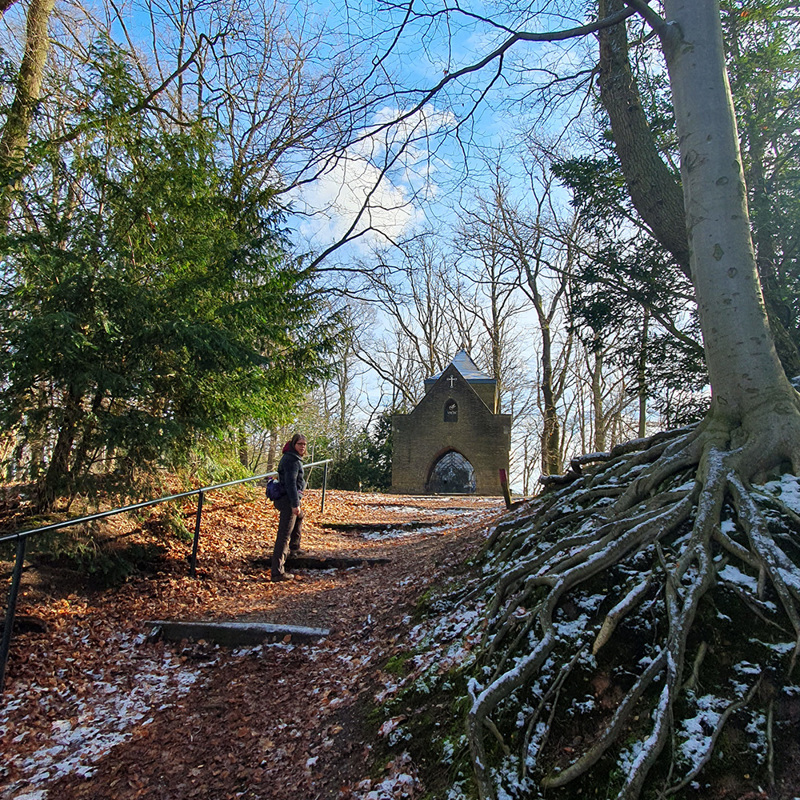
x: 452, y: 474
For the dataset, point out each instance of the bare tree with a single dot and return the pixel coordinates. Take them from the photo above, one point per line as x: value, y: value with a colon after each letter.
x: 489, y: 291
x: 528, y: 252
x: 422, y: 331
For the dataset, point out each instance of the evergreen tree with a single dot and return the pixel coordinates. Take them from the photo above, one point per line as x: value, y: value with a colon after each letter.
x: 146, y: 304
x: 627, y: 286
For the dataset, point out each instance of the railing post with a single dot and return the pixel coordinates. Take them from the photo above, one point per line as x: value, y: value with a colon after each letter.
x: 196, y: 543
x: 13, y: 592
x: 324, y: 487
x: 504, y: 488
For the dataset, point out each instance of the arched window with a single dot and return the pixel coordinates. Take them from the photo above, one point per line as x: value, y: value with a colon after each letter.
x: 451, y: 411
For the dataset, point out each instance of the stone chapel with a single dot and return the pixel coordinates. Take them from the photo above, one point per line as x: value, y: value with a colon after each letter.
x: 455, y: 441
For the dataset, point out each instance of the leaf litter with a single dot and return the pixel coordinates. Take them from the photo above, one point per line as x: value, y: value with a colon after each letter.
x: 94, y: 708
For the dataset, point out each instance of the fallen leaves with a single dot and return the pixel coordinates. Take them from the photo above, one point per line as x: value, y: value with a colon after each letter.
x: 194, y: 720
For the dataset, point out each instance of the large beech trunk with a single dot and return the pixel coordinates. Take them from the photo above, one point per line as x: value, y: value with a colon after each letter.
x: 654, y: 190
x: 743, y: 366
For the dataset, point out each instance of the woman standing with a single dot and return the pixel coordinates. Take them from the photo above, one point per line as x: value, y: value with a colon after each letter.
x: 290, y: 524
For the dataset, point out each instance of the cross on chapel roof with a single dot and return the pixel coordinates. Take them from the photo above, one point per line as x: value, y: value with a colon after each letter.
x: 466, y: 367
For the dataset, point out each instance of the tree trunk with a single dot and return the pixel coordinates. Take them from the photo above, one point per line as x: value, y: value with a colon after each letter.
x: 55, y: 481
x: 81, y: 460
x: 242, y: 447
x: 14, y: 138
x: 551, y: 433
x: 743, y: 365
x: 641, y: 377
x: 272, y: 452
x: 343, y: 384
x: 600, y: 417
x: 655, y: 193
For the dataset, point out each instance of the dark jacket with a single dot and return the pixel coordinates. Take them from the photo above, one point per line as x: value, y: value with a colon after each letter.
x: 290, y: 475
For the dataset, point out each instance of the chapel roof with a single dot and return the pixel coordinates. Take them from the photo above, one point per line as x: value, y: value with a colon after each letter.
x: 467, y: 367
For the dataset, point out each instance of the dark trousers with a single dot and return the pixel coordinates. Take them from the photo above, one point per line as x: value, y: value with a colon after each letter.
x: 290, y: 529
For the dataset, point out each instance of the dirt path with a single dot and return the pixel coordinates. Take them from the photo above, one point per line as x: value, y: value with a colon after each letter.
x: 114, y: 716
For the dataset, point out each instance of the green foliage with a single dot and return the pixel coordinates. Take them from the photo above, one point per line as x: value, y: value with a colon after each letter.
x: 97, y: 559
x: 626, y: 277
x: 169, y: 522
x: 366, y: 464
x: 150, y: 306
x: 398, y: 664
x: 763, y: 65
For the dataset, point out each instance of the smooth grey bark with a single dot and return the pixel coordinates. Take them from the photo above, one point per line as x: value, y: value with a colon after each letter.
x: 742, y: 362
x: 754, y: 407
x: 653, y: 188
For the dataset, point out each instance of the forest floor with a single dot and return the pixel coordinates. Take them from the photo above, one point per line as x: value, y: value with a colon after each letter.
x: 94, y: 708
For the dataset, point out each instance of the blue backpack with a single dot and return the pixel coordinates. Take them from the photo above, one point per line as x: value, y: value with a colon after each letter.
x: 275, y: 489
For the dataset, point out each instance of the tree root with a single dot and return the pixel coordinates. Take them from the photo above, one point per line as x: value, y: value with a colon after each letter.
x: 650, y: 538
x: 712, y: 740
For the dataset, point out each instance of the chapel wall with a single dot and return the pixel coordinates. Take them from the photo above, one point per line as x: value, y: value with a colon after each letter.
x: 423, y: 436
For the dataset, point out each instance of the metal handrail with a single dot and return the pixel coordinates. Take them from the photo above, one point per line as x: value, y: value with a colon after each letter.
x: 21, y: 538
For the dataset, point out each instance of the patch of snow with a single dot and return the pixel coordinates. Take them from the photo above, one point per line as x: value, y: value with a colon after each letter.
x: 585, y: 706
x: 401, y: 782
x: 757, y: 728
x: 734, y: 575
x: 448, y: 751
x: 590, y: 603
x: 695, y: 732
x: 746, y: 668
x: 538, y: 735
x: 571, y: 630
x: 784, y: 648
x: 788, y: 489
x: 117, y: 706
x: 727, y: 526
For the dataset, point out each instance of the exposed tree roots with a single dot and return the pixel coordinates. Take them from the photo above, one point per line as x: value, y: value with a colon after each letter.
x: 664, y: 567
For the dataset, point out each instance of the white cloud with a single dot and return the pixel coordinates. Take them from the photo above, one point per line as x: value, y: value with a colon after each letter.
x: 375, y: 188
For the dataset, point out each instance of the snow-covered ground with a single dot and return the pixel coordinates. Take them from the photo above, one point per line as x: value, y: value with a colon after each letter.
x: 86, y: 728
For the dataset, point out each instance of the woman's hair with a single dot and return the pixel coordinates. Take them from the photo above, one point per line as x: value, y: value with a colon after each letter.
x: 290, y: 445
